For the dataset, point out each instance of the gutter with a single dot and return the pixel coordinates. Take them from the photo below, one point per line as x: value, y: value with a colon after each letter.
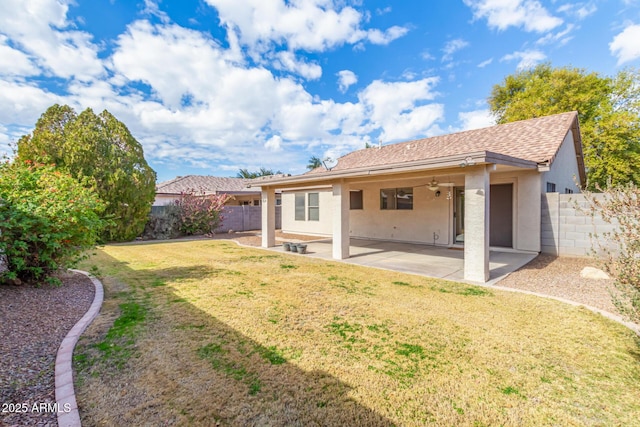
x: 461, y: 160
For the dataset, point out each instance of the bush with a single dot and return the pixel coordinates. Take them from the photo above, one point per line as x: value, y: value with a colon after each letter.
x: 47, y: 220
x: 199, y: 213
x: 620, y: 206
x: 163, y: 225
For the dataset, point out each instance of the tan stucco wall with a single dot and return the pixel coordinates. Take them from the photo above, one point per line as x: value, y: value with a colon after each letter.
x: 430, y: 214
x: 564, y: 169
x: 323, y: 227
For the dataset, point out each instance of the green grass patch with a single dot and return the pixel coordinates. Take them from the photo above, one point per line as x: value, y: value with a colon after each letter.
x: 511, y: 391
x: 463, y: 290
x: 401, y: 283
x: 118, y: 346
x: 272, y: 355
x: 221, y: 360
x: 410, y: 350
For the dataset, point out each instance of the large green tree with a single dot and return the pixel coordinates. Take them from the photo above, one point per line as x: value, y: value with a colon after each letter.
x: 100, y: 152
x: 608, y: 109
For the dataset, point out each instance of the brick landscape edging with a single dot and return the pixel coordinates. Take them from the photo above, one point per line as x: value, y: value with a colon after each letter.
x: 68, y: 415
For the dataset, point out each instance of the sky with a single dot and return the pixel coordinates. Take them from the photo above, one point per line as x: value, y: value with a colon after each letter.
x: 211, y: 86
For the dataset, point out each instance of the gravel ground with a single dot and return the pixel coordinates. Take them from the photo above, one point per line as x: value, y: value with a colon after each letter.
x: 560, y: 277
x: 34, y: 321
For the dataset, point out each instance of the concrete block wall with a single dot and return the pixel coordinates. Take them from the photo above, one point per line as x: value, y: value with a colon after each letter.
x: 244, y: 218
x: 566, y: 228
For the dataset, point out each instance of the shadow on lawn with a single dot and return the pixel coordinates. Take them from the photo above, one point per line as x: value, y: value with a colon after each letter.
x: 200, y: 371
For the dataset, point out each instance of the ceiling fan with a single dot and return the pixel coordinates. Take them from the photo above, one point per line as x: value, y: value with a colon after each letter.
x: 434, y: 185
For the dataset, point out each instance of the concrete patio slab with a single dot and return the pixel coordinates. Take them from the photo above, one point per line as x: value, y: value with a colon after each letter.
x: 426, y: 260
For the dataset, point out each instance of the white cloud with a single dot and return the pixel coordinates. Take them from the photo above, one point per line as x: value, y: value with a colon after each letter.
x: 274, y: 143
x: 451, y: 47
x: 399, y: 110
x: 14, y: 62
x: 485, y: 63
x: 311, y: 25
x: 579, y: 10
x: 152, y: 8
x: 287, y: 60
x: 528, y: 58
x: 22, y: 103
x: 476, y: 119
x: 502, y: 14
x: 625, y: 46
x: 346, y: 78
x: 427, y: 56
x: 560, y: 38
x: 376, y: 36
x: 188, y: 99
x: 39, y: 29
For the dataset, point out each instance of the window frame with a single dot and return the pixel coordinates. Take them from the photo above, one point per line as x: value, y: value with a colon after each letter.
x: 389, y: 199
x: 359, y: 202
x: 313, y: 208
x: 300, y: 210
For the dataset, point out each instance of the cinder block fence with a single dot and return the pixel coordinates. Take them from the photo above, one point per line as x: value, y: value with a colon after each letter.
x: 567, y: 229
x: 244, y: 218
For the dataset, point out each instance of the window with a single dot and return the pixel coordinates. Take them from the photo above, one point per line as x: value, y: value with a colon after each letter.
x: 278, y: 202
x: 388, y: 198
x: 314, y: 207
x: 300, y: 207
x: 396, y: 198
x: 568, y: 191
x: 245, y: 203
x: 355, y: 199
x: 256, y: 203
x: 551, y: 187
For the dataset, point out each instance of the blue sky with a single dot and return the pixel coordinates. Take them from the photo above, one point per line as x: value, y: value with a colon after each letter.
x: 211, y: 86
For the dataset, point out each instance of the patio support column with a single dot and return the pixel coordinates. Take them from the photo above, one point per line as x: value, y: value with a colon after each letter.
x: 476, y: 224
x: 340, y: 203
x: 268, y: 217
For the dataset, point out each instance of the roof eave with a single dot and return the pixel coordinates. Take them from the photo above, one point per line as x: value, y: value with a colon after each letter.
x: 468, y: 159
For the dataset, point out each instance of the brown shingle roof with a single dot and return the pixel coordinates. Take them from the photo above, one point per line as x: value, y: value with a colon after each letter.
x: 536, y: 140
x: 208, y: 184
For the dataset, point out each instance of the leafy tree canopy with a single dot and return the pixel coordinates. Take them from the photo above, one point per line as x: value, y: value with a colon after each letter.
x: 608, y: 110
x: 99, y: 151
x: 246, y: 174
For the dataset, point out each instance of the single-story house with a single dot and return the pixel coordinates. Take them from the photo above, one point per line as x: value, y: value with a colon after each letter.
x: 475, y: 190
x: 169, y: 191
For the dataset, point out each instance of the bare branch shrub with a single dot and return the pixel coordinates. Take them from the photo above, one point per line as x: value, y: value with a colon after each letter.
x: 620, y: 249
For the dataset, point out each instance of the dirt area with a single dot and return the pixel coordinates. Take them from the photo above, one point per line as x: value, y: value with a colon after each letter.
x: 560, y: 277
x: 34, y: 321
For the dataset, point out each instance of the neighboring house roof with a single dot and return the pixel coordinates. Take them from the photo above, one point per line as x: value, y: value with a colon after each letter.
x: 207, y: 184
x: 526, y: 143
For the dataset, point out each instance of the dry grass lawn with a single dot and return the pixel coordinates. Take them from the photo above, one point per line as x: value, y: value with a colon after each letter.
x: 210, y: 332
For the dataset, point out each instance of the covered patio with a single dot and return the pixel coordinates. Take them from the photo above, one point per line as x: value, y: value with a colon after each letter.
x: 421, y: 259
x: 480, y: 187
